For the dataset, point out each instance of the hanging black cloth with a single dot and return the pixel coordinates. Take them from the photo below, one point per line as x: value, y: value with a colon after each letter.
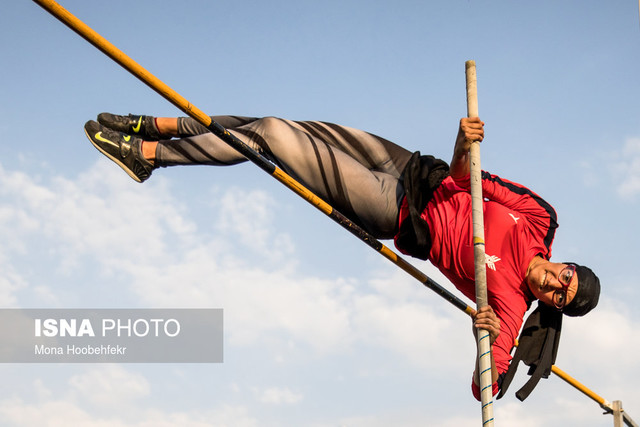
x: 420, y: 178
x: 537, y: 348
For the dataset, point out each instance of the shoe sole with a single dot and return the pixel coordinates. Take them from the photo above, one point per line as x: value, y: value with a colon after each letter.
x: 113, y: 159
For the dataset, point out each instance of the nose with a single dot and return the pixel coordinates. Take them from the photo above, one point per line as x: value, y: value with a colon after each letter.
x: 557, y: 284
x: 554, y: 283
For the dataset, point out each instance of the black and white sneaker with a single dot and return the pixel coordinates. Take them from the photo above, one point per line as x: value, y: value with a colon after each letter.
x: 121, y: 148
x: 132, y: 124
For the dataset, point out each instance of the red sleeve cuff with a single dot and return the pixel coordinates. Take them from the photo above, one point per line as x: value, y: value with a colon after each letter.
x: 475, y: 389
x: 464, y: 182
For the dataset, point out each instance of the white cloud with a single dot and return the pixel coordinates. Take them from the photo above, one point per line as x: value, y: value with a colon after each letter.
x: 278, y: 396
x: 249, y: 216
x: 627, y: 169
x: 417, y: 324
x: 108, y: 386
x: 601, y: 351
x: 109, y: 396
x: 63, y: 412
x: 98, y: 214
x: 10, y: 282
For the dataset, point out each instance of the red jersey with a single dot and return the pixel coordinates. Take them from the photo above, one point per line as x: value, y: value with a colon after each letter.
x: 518, y: 225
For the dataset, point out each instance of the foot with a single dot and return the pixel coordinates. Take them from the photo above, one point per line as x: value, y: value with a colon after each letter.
x: 123, y: 149
x: 143, y: 126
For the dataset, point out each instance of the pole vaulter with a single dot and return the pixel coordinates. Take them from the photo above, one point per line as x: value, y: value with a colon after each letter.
x: 181, y: 103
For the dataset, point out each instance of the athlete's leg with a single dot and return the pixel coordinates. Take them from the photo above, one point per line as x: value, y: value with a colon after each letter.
x: 198, y: 146
x: 186, y: 126
x: 356, y: 172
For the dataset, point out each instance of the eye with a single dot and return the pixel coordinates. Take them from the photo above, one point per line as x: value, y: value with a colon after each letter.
x: 566, y: 276
x: 559, y: 298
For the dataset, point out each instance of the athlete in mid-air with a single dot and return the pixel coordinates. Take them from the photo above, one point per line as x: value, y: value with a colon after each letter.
x: 421, y: 202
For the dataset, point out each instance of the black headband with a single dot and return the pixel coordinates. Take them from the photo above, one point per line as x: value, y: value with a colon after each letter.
x: 588, y: 292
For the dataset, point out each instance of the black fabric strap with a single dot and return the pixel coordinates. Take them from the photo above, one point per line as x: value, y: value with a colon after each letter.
x: 537, y: 348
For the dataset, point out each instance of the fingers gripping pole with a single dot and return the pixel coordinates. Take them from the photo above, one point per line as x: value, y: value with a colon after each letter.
x: 484, y: 346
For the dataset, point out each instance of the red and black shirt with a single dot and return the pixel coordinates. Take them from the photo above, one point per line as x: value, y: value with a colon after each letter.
x: 518, y: 226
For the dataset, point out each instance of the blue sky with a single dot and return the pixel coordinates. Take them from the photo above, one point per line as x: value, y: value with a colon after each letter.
x: 319, y: 329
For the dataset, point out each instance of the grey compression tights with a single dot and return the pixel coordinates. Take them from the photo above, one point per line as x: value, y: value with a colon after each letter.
x: 354, y: 171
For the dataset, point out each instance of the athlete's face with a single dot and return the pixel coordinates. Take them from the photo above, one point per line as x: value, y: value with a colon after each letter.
x: 553, y: 283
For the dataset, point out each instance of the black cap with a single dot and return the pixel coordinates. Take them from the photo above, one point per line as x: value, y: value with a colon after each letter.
x: 588, y: 292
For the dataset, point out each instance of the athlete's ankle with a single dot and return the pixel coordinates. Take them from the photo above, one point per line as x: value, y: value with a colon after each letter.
x: 167, y: 125
x: 148, y: 150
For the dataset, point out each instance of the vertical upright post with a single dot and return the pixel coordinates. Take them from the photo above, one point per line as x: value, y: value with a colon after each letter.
x: 618, y: 419
x: 484, y: 345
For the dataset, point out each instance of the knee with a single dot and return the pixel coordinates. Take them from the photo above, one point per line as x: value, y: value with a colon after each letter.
x: 272, y: 126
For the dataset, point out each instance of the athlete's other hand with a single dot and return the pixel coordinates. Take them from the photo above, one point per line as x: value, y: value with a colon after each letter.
x: 485, y: 318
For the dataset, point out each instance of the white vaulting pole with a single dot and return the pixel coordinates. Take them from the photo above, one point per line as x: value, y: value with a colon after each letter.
x: 484, y: 345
